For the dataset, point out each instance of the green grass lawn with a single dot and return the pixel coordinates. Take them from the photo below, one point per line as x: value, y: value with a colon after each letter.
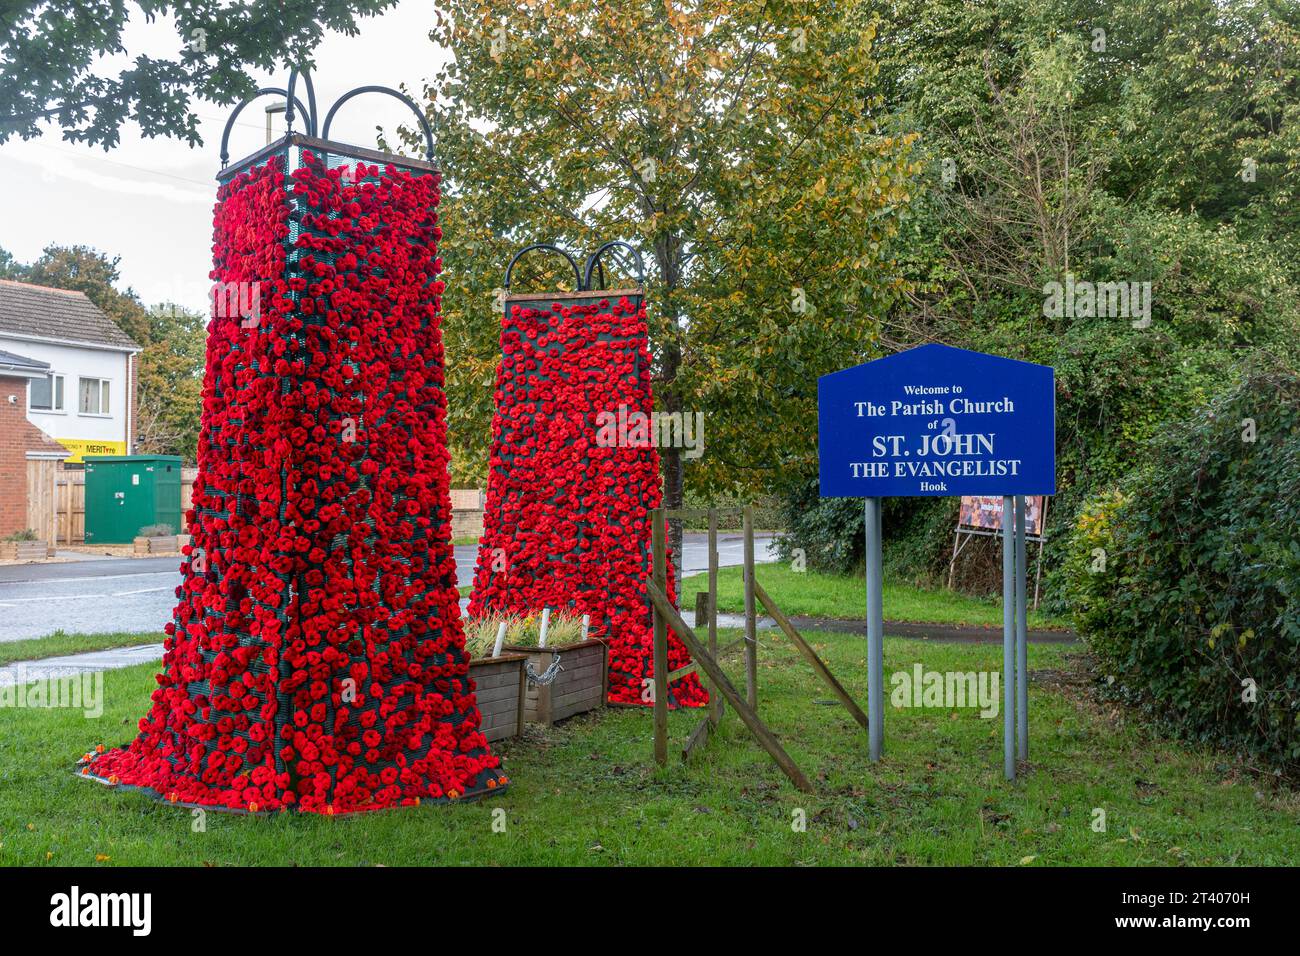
x: 588, y: 792
x: 810, y: 594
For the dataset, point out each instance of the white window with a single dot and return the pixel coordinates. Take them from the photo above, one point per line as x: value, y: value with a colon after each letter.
x: 46, y: 394
x: 93, y: 397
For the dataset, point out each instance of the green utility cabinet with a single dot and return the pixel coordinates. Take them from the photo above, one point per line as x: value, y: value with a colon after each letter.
x: 124, y: 493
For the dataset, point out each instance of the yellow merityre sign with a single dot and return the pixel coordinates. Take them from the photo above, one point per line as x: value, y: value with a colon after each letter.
x: 80, y: 447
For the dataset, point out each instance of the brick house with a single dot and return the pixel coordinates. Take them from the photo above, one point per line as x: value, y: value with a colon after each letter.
x: 67, y: 389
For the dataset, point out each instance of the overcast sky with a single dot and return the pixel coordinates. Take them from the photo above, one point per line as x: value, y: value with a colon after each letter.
x: 150, y: 200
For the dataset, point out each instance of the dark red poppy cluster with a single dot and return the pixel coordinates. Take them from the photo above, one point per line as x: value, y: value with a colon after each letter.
x: 316, y: 659
x: 572, y: 479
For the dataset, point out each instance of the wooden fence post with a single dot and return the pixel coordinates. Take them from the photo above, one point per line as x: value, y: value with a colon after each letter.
x: 660, y: 684
x: 715, y: 705
x: 751, y: 616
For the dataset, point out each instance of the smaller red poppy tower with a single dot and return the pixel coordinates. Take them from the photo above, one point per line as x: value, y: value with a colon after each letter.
x: 574, y: 474
x: 316, y: 659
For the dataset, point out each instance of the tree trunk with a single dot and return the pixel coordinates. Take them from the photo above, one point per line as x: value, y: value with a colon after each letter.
x: 670, y: 459
x: 674, y: 494
x: 670, y: 351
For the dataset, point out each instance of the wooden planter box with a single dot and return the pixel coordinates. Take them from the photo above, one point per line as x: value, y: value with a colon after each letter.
x: 23, y: 550
x: 579, y: 687
x: 499, y: 687
x: 168, y: 545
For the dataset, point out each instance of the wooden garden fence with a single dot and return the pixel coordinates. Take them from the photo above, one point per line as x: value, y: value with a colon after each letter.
x: 704, y: 652
x: 64, y: 507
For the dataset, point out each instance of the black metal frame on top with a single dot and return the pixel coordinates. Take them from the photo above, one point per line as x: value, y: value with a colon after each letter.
x: 315, y: 131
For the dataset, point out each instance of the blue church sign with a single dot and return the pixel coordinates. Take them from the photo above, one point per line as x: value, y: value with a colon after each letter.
x: 937, y: 420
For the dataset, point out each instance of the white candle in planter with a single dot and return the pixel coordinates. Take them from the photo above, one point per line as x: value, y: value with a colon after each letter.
x: 501, y: 639
x: 546, y: 622
x: 586, y: 625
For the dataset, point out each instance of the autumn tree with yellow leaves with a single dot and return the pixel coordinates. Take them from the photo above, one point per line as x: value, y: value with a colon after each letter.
x: 734, y: 142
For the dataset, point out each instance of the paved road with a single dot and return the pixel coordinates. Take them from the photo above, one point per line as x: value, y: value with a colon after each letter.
x: 96, y: 566
x: 137, y: 595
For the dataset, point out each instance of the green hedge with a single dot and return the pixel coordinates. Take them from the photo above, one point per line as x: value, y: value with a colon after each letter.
x: 767, y: 510
x: 826, y: 532
x: 829, y: 534
x: 1185, y: 580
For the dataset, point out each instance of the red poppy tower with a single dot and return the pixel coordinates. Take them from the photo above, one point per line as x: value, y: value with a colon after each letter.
x: 316, y: 658
x: 574, y: 474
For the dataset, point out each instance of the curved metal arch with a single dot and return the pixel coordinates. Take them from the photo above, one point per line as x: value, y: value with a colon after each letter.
x: 424, y: 123
x: 593, y: 262
x: 577, y: 274
x: 230, y: 123
x: 310, y: 113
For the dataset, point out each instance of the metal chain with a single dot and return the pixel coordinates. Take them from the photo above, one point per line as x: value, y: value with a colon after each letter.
x: 545, y: 678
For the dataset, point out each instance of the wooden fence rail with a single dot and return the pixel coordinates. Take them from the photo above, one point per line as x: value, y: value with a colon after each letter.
x: 818, y: 665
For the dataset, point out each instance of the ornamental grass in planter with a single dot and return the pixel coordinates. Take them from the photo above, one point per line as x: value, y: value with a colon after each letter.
x: 500, y: 681
x: 568, y: 676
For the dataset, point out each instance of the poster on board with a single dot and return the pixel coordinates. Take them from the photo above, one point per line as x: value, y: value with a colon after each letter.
x: 984, y: 513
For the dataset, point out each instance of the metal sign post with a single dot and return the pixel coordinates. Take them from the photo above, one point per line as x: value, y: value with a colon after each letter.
x: 1022, y: 636
x: 1008, y: 641
x: 934, y: 421
x: 875, y: 632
